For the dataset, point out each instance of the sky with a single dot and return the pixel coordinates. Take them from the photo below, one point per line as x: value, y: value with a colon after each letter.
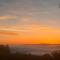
x: 29, y: 22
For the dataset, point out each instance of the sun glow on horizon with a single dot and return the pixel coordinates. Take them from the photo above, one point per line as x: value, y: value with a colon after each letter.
x: 29, y: 22
x: 33, y: 34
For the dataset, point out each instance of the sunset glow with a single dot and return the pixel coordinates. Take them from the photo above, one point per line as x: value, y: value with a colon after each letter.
x: 28, y: 22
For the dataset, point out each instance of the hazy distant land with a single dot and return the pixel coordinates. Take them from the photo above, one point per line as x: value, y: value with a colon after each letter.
x: 35, y: 49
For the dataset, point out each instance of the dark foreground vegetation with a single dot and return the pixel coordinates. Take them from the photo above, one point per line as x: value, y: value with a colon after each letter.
x: 5, y: 54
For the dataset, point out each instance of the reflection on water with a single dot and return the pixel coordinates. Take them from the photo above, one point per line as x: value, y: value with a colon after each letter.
x: 35, y: 49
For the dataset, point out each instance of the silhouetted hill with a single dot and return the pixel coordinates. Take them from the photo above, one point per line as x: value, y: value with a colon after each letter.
x: 5, y: 54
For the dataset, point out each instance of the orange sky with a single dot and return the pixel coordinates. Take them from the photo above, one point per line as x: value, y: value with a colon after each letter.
x: 29, y: 22
x: 33, y: 34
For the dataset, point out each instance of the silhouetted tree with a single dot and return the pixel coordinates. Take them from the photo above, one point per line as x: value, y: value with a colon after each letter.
x: 6, y: 55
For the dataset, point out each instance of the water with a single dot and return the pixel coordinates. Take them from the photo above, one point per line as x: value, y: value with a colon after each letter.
x: 35, y: 49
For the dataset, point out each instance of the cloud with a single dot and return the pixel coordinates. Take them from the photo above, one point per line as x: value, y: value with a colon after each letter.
x: 7, y: 17
x: 7, y: 32
x: 8, y: 20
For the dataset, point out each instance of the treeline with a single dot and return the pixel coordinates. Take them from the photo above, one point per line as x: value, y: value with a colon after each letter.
x: 5, y: 54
